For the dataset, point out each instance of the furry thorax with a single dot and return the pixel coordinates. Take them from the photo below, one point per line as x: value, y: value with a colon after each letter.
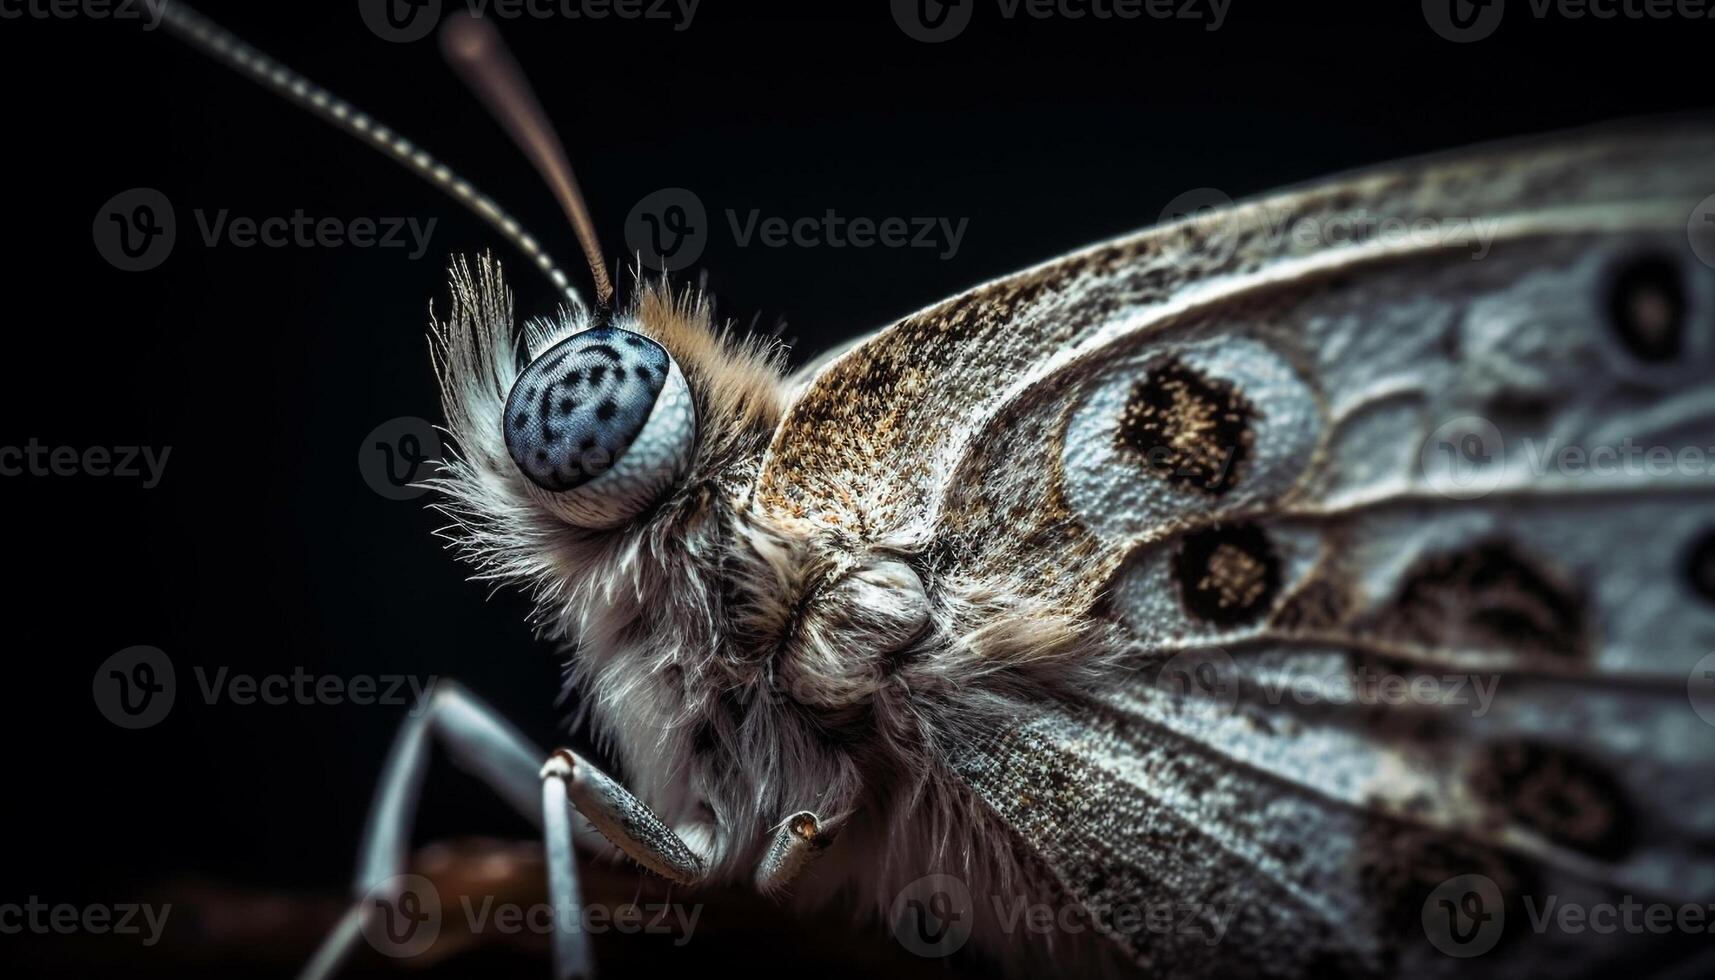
x: 736, y: 666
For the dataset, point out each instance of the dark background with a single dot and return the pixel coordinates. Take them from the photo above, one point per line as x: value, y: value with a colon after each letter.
x: 263, y: 549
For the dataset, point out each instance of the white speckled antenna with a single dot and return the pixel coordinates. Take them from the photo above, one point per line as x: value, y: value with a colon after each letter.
x: 220, y: 44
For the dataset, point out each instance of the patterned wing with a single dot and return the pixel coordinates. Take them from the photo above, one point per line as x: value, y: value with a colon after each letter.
x: 1397, y: 492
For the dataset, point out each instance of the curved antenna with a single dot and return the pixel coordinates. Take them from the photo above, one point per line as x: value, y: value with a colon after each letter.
x: 222, y: 46
x: 474, y: 48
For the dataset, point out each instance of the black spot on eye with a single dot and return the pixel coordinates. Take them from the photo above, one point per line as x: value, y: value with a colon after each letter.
x: 1188, y: 428
x: 641, y: 372
x: 607, y: 410
x: 572, y: 378
x: 520, y: 420
x: 566, y: 406
x: 1490, y: 596
x: 1558, y: 793
x: 1647, y: 308
x: 1227, y: 575
x: 1700, y: 566
x: 597, y: 373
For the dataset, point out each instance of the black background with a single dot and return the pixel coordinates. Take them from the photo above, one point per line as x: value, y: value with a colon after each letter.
x: 263, y: 549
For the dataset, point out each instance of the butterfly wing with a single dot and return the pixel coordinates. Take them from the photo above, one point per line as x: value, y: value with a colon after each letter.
x: 1395, y: 491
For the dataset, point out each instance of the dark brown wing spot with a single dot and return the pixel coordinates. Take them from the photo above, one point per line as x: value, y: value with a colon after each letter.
x: 1188, y: 428
x: 1228, y: 575
x: 1700, y: 566
x: 1489, y: 597
x: 1647, y: 308
x: 1562, y: 795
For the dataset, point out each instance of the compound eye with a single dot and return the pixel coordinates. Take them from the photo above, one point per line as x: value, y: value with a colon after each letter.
x: 604, y: 420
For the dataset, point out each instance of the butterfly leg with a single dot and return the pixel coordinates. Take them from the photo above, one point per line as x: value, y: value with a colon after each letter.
x: 480, y: 742
x: 798, y: 841
x: 624, y: 819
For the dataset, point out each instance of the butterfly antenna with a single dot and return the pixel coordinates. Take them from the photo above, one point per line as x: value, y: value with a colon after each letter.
x: 474, y: 48
x: 222, y: 46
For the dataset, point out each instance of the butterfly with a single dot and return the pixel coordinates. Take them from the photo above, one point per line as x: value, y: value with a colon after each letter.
x: 1321, y: 584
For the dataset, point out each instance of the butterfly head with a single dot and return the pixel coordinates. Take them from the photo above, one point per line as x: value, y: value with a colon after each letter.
x: 583, y: 436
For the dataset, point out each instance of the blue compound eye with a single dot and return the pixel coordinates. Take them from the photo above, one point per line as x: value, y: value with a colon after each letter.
x: 604, y: 417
